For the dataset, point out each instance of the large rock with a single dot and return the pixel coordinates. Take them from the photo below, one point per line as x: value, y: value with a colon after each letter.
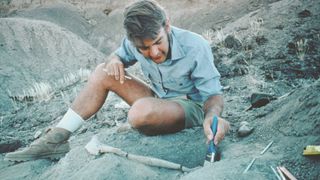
x: 38, y: 51
x: 103, y: 32
x: 62, y: 14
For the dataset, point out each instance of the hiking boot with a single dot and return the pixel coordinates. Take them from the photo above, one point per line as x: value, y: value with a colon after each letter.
x: 52, y: 145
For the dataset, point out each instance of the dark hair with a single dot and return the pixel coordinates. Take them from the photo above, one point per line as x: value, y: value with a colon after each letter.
x: 144, y: 19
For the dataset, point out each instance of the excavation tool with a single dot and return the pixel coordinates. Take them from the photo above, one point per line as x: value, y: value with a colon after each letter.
x: 285, y: 174
x: 212, y: 154
x: 311, y: 150
x: 95, y: 147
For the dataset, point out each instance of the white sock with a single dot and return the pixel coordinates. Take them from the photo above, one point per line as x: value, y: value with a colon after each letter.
x: 71, y: 121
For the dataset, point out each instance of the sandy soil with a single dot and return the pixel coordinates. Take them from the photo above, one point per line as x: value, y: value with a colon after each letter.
x: 269, y: 47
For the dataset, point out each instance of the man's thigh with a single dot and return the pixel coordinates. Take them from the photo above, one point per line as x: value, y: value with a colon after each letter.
x: 154, y: 116
x: 132, y: 89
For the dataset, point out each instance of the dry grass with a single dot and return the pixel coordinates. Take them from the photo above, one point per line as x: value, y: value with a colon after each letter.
x: 217, y: 37
x: 39, y: 91
x: 301, y: 48
x: 208, y: 35
x: 255, y: 26
x: 42, y: 91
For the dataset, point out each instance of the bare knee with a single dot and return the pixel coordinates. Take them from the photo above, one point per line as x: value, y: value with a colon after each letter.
x: 100, y: 78
x: 139, y: 114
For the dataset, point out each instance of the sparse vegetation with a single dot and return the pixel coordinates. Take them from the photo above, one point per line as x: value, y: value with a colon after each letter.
x: 301, y: 48
x: 209, y: 35
x: 42, y: 91
x: 220, y: 36
x: 255, y: 26
x: 39, y: 91
x: 217, y: 37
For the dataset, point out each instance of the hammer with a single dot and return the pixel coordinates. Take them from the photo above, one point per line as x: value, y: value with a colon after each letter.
x: 95, y: 147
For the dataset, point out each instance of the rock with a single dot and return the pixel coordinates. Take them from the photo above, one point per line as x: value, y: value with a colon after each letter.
x: 305, y: 13
x: 261, y: 40
x: 83, y: 130
x: 107, y: 11
x: 232, y: 42
x: 37, y: 134
x: 261, y: 99
x: 124, y: 127
x: 280, y: 55
x: 244, y: 123
x: 245, y: 129
x: 226, y: 88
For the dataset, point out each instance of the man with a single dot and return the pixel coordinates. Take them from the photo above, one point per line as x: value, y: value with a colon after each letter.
x: 185, y: 91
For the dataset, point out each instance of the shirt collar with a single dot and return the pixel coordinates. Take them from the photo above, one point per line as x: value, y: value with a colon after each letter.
x: 176, y: 49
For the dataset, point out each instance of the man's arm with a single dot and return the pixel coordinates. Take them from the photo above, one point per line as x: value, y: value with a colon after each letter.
x: 214, y: 106
x: 114, y: 67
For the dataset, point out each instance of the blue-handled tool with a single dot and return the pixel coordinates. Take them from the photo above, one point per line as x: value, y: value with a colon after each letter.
x: 212, y: 149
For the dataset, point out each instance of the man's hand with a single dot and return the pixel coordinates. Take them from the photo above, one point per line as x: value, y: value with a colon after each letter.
x: 114, y: 67
x: 223, y: 128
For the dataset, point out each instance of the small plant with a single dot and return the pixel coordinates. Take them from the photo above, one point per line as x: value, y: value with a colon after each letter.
x: 301, y: 48
x: 208, y: 35
x: 220, y: 36
x: 214, y: 37
x: 255, y: 26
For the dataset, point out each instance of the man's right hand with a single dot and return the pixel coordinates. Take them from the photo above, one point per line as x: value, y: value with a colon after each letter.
x: 223, y: 128
x: 114, y: 67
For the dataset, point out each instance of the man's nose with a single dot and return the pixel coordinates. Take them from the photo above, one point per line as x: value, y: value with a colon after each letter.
x: 154, y: 52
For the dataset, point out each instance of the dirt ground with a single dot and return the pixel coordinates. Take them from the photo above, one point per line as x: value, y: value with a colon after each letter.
x: 270, y: 47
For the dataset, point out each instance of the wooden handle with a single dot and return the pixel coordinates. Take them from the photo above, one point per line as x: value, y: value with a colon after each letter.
x: 151, y: 161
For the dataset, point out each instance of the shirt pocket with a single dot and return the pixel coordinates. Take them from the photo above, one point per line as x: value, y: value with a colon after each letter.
x: 181, y: 85
x: 153, y: 80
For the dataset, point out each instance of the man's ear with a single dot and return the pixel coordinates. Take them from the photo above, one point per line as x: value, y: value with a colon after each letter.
x: 167, y: 26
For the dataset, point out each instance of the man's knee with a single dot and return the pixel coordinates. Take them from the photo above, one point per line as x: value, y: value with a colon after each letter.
x: 100, y: 77
x: 139, y: 113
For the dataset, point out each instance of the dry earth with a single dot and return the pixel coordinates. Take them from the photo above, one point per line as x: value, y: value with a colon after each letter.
x: 269, y: 47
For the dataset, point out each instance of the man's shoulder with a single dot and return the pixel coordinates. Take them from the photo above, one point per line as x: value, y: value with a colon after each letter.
x: 188, y: 38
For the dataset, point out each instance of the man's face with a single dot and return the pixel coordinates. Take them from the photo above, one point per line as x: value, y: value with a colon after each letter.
x: 155, y: 49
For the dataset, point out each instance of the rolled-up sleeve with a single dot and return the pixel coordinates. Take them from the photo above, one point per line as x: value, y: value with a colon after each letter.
x: 205, y: 75
x: 125, y: 52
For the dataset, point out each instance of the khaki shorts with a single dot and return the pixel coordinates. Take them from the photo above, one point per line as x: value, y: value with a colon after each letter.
x: 194, y: 114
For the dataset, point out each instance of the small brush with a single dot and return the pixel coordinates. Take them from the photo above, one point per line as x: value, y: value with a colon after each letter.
x: 212, y: 149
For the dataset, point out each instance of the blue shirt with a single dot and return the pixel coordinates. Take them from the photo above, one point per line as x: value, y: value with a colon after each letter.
x: 190, y: 71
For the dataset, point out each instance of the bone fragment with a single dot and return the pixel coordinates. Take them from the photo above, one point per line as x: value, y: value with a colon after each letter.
x: 249, y: 166
x: 266, y: 148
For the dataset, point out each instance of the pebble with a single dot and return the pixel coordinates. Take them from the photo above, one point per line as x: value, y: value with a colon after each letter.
x: 37, y: 134
x: 245, y: 129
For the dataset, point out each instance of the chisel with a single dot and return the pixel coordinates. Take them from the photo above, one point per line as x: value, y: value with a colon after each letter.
x: 212, y: 149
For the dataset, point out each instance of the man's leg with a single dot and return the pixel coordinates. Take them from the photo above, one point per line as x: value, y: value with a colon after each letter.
x: 93, y: 96
x: 154, y: 116
x: 54, y: 144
